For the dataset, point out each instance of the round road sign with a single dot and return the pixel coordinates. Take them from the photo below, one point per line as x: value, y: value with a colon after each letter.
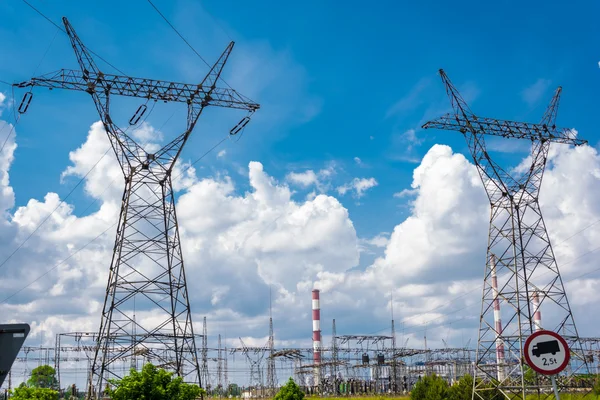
x: 546, y: 352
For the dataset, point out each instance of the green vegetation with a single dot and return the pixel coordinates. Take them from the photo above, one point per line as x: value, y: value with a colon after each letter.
x: 43, y: 376
x: 153, y: 383
x: 23, y: 392
x: 289, y: 391
x: 40, y: 386
x: 430, y: 387
x: 436, y: 388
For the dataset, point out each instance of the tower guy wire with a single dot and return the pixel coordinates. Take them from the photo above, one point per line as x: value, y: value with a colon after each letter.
x: 147, y: 260
x: 519, y: 248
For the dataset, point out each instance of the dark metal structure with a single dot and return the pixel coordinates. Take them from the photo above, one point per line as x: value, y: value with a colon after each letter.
x: 12, y: 337
x: 147, y: 263
x: 271, y: 372
x: 204, y: 375
x: 518, y: 249
x: 256, y: 368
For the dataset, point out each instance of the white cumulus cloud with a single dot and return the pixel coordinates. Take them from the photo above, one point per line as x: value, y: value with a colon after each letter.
x: 358, y: 185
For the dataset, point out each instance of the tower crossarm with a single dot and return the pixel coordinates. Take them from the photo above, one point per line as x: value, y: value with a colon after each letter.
x: 505, y: 129
x: 143, y: 88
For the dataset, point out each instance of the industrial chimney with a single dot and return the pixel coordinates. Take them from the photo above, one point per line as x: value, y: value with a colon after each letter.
x: 316, y: 317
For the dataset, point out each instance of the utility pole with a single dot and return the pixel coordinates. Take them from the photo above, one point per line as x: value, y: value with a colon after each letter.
x: 147, y: 260
x: 519, y: 252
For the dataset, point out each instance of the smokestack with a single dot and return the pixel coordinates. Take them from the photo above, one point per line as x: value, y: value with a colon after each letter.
x: 537, y: 314
x: 316, y: 317
x: 497, y: 321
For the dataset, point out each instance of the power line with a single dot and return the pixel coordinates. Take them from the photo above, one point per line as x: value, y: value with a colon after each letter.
x: 57, y: 265
x: 182, y: 38
x: 63, y: 31
x: 177, y: 32
x: 53, y: 211
x: 478, y: 287
x: 477, y: 304
x: 88, y: 243
x: 68, y: 195
x: 12, y: 126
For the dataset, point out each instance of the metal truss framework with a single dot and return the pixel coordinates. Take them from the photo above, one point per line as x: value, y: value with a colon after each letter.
x: 271, y: 372
x: 518, y: 249
x: 255, y: 363
x: 147, y: 263
x: 79, y: 347
x: 74, y: 353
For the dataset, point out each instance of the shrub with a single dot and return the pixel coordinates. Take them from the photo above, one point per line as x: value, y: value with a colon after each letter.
x: 289, y: 391
x: 29, y: 393
x: 153, y: 383
x: 430, y: 388
x: 462, y: 390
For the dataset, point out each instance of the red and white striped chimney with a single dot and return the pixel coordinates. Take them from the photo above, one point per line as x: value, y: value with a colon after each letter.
x: 497, y: 320
x: 537, y: 314
x: 316, y: 320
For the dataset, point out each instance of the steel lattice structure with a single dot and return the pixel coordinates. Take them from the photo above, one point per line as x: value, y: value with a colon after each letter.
x: 519, y: 253
x: 147, y: 262
x: 271, y: 372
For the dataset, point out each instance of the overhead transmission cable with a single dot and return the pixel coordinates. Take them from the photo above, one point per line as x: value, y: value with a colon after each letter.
x: 17, y: 118
x: 88, y: 243
x: 57, y: 265
x: 479, y: 304
x: 63, y: 200
x: 63, y: 31
x: 182, y: 38
x: 51, y: 213
x: 97, y: 162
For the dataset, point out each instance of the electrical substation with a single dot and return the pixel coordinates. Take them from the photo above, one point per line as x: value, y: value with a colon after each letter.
x: 522, y: 293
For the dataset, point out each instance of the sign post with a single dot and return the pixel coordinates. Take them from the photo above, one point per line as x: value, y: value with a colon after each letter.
x: 547, y: 353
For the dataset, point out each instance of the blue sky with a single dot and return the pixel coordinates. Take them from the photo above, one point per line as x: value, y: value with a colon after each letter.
x: 343, y: 87
x: 366, y: 71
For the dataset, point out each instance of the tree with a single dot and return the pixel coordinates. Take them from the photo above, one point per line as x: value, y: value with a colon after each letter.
x: 430, y: 388
x: 234, y: 390
x: 43, y: 376
x: 23, y: 392
x: 596, y: 389
x: 289, y: 391
x: 462, y: 390
x: 153, y: 383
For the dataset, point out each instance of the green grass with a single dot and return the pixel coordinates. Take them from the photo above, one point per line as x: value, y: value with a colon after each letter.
x: 365, y: 397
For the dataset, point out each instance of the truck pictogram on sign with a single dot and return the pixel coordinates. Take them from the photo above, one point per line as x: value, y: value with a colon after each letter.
x: 549, y: 347
x: 546, y: 352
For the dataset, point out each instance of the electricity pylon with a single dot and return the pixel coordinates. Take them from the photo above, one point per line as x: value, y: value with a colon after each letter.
x: 518, y: 253
x: 271, y: 374
x: 147, y: 263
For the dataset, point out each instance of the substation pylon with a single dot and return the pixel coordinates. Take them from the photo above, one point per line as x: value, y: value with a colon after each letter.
x: 519, y: 254
x: 271, y: 371
x: 147, y: 263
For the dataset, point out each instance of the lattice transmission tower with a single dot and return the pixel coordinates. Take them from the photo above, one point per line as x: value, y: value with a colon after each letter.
x: 147, y: 263
x: 520, y: 262
x: 271, y: 372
